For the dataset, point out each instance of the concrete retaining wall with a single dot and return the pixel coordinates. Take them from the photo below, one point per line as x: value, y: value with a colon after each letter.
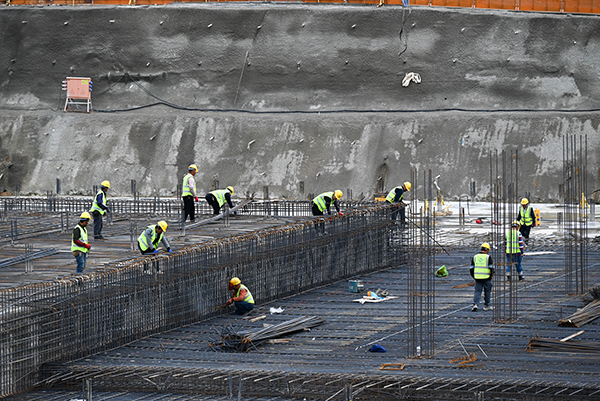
x: 331, y: 78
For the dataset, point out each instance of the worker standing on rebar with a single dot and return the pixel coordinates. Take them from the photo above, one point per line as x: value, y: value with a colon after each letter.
x: 80, y: 245
x: 514, y: 250
x: 149, y: 239
x: 482, y: 271
x: 324, y: 201
x: 526, y: 218
x: 99, y: 208
x: 188, y: 193
x: 244, y: 302
x: 218, y: 197
x: 396, y: 195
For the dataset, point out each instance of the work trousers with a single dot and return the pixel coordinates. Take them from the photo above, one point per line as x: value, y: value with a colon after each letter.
x: 243, y: 307
x: 486, y: 287
x: 401, y: 210
x: 525, y: 231
x: 514, y: 259
x: 97, y: 223
x: 189, y: 209
x: 212, y: 200
x: 81, y: 258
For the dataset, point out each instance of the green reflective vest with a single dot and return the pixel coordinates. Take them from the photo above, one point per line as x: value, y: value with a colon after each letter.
x: 83, y: 238
x: 482, y: 268
x: 320, y: 200
x: 95, y: 206
x: 187, y: 190
x: 392, y: 195
x: 143, y: 240
x: 220, y: 195
x: 248, y: 298
x: 526, y: 219
x: 512, y: 242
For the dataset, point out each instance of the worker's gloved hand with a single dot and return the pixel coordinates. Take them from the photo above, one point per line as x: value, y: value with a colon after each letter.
x: 170, y: 250
x: 196, y: 199
x: 155, y: 251
x: 88, y: 246
x: 107, y: 210
x: 341, y: 214
x: 235, y: 212
x: 228, y: 302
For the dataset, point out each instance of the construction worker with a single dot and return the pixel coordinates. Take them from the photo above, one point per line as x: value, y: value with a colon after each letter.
x: 324, y: 201
x: 188, y: 193
x: 80, y: 245
x: 244, y: 302
x: 151, y: 236
x: 99, y: 208
x: 514, y: 250
x: 396, y: 195
x: 218, y: 197
x: 526, y: 218
x: 483, y: 272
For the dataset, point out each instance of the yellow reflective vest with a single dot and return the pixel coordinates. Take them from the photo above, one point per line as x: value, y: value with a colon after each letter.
x: 83, y: 238
x: 248, y: 298
x: 482, y: 268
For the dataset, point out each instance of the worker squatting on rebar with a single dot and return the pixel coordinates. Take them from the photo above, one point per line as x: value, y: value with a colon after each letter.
x: 151, y: 236
x: 218, y: 197
x: 514, y: 250
x: 396, y: 195
x: 482, y: 271
x: 99, y: 208
x: 189, y: 194
x: 244, y: 302
x: 80, y: 245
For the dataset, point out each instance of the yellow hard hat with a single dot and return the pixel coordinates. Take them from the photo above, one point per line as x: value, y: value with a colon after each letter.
x: 485, y: 245
x: 163, y: 225
x: 407, y: 185
x: 524, y: 201
x: 515, y: 224
x: 105, y: 183
x: 338, y: 194
x: 235, y: 281
x: 230, y: 189
x: 85, y: 216
x: 193, y: 167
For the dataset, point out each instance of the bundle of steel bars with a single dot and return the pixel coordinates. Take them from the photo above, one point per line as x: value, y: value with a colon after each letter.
x: 583, y: 316
x: 22, y: 258
x: 546, y: 344
x: 242, y: 341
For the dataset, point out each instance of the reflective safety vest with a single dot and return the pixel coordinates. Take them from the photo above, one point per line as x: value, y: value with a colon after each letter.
x: 512, y: 242
x: 482, y: 268
x: 187, y: 190
x: 320, y: 200
x: 392, y: 195
x: 248, y: 298
x: 83, y: 238
x: 95, y: 207
x: 143, y: 241
x: 526, y: 219
x: 220, y: 195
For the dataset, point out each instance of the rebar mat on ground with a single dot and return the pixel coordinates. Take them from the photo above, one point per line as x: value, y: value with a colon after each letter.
x: 238, y: 341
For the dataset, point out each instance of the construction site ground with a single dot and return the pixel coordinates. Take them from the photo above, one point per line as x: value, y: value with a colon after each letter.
x: 339, y: 349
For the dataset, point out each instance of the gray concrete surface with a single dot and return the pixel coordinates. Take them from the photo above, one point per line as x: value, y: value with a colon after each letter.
x: 279, y: 94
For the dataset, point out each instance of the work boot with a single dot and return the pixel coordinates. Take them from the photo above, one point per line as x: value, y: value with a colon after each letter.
x: 488, y: 307
x: 474, y: 308
x: 99, y: 237
x: 507, y: 277
x: 521, y: 278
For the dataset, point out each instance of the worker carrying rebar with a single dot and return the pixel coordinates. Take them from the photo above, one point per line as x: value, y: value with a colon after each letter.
x: 323, y: 203
x: 218, y: 198
x: 482, y: 271
x: 188, y: 193
x: 80, y: 245
x: 244, y: 302
x: 150, y: 238
x: 514, y: 250
x: 99, y: 207
x: 526, y: 218
x: 396, y: 195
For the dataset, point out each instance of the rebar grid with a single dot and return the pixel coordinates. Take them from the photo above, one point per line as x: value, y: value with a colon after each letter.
x: 420, y: 282
x: 575, y: 214
x: 504, y: 209
x: 77, y: 316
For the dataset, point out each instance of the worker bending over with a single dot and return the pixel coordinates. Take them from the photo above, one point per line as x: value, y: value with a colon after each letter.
x: 396, y: 195
x: 151, y: 236
x: 218, y: 197
x: 244, y: 302
x: 99, y: 208
x: 324, y: 201
x: 188, y: 193
x: 482, y: 271
x: 80, y: 245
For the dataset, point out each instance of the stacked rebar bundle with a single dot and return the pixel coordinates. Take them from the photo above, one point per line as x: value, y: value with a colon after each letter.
x: 583, y: 316
x: 238, y: 341
x: 546, y: 344
x: 28, y: 256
